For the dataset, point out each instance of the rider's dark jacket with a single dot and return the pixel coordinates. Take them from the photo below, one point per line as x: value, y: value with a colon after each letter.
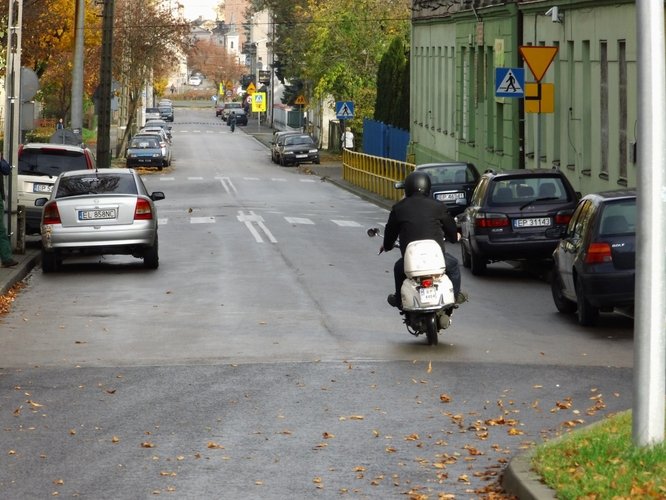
x: 418, y: 217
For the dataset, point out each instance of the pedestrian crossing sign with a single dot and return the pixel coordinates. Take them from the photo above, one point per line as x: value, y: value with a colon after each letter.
x: 509, y: 82
x: 344, y: 110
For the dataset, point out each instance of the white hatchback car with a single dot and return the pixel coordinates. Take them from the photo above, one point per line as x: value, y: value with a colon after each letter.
x: 39, y: 166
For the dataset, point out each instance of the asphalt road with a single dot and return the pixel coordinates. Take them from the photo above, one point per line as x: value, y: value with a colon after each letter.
x: 261, y: 360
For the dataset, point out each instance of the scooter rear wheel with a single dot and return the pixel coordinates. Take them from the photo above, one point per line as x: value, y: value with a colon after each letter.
x: 431, y: 329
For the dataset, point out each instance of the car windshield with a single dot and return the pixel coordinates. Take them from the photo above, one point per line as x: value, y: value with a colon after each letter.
x: 152, y: 110
x: 46, y: 161
x: 233, y: 105
x: 301, y: 139
x: 618, y: 218
x: 77, y: 185
x: 450, y: 174
x: 144, y: 143
x: 527, y: 190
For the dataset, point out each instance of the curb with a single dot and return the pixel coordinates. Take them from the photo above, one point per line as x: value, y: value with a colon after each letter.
x: 521, y: 481
x: 27, y: 262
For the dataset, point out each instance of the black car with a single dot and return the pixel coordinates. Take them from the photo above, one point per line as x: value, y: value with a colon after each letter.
x: 452, y: 183
x: 595, y: 259
x: 276, y: 143
x: 241, y: 117
x: 509, y: 214
x: 298, y: 148
x: 166, y: 113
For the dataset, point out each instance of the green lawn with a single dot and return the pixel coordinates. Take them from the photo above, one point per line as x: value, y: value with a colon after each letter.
x: 601, y: 462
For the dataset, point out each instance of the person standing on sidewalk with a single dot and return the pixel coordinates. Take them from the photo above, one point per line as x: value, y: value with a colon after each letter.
x: 5, y: 245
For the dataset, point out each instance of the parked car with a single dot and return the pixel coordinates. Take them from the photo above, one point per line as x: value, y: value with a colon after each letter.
x: 278, y: 138
x: 166, y: 112
x: 509, y: 214
x: 160, y: 135
x: 145, y: 151
x: 152, y: 114
x: 160, y: 123
x: 38, y: 167
x: 99, y: 212
x: 195, y: 80
x: 297, y: 148
x: 596, y: 258
x: 241, y: 117
x: 452, y: 183
x: 224, y: 108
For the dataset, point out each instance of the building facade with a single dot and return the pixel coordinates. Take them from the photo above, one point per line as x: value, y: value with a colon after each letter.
x: 455, y: 113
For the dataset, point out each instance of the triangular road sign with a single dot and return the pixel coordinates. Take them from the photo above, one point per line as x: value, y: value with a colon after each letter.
x: 300, y: 100
x: 538, y: 58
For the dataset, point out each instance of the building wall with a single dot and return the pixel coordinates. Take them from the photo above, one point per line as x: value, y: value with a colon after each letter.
x: 591, y: 133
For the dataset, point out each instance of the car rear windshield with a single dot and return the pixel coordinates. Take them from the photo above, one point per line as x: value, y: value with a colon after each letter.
x: 450, y: 174
x: 47, y: 161
x: 152, y: 110
x: 511, y: 191
x: 144, y: 143
x: 618, y: 218
x: 96, y: 184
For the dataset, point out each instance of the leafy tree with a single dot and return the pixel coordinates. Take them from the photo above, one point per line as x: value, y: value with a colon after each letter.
x: 147, y: 42
x: 392, y: 104
x: 213, y: 60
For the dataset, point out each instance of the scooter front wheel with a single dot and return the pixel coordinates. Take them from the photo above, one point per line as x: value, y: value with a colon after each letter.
x: 431, y: 329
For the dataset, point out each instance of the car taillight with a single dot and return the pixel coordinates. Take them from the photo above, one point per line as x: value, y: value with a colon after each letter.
x: 426, y: 282
x: 563, y: 217
x: 598, y: 253
x: 142, y: 210
x: 490, y: 220
x: 51, y: 214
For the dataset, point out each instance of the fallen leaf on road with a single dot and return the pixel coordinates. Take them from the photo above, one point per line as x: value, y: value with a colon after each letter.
x: 147, y: 444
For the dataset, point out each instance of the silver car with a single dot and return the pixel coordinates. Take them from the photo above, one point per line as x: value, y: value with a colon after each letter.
x: 99, y: 212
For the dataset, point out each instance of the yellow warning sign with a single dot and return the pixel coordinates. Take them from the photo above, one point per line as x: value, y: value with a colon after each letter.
x: 538, y: 58
x: 539, y: 98
x: 259, y: 102
x: 300, y: 100
x: 251, y: 89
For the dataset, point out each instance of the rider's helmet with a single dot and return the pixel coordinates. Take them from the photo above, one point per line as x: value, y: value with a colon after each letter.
x: 417, y: 182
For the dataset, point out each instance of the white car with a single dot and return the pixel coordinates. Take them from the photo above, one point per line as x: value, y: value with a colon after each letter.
x: 195, y: 80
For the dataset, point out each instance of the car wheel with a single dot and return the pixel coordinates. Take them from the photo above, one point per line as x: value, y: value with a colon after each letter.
x: 477, y: 263
x: 49, y: 262
x: 587, y: 313
x: 466, y: 259
x: 151, y: 259
x: 283, y: 162
x: 564, y: 305
x: 317, y: 161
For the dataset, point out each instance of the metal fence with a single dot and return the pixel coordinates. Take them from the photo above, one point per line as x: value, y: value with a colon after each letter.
x: 374, y: 173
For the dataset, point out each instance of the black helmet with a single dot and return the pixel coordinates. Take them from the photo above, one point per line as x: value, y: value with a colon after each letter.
x: 417, y: 182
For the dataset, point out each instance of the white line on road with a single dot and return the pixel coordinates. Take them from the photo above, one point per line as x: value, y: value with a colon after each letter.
x: 298, y: 220
x: 227, y: 185
x: 278, y: 179
x: 195, y: 178
x: 202, y: 220
x: 346, y: 223
x: 248, y: 219
x: 167, y: 178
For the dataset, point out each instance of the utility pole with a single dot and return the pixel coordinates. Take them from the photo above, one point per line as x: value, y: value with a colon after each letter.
x: 77, y: 70
x: 104, y: 122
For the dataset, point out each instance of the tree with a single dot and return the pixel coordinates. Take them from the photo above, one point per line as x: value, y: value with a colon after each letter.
x: 214, y: 61
x: 392, y: 104
x: 148, y: 41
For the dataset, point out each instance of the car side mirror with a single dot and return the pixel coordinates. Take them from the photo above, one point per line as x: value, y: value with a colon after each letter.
x: 399, y: 185
x: 40, y: 202
x: 157, y: 195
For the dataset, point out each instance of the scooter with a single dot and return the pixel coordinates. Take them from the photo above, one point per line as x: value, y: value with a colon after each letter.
x: 427, y: 294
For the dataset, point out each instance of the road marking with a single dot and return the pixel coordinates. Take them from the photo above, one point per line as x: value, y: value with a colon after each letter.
x: 278, y: 179
x: 298, y: 220
x: 307, y: 180
x: 250, y: 218
x: 167, y: 178
x: 195, y: 178
x: 202, y: 220
x: 346, y: 223
x: 251, y: 179
x: 162, y: 222
x: 227, y: 185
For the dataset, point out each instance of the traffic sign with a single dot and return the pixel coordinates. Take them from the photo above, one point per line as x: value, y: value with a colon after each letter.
x: 538, y: 58
x: 509, y: 82
x: 251, y: 89
x: 344, y: 110
x: 539, y: 98
x: 258, y: 102
x: 300, y: 100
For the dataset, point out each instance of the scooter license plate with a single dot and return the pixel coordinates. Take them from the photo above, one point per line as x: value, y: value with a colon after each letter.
x: 428, y: 294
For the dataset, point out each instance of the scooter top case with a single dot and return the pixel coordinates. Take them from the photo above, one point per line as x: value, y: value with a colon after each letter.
x: 424, y: 258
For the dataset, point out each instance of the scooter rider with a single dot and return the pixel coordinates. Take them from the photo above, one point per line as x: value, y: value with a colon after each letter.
x: 419, y: 217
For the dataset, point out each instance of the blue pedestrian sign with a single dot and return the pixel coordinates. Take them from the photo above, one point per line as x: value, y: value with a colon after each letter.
x: 344, y: 110
x: 509, y: 82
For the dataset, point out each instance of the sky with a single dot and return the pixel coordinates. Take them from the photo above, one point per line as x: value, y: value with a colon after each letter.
x: 196, y: 8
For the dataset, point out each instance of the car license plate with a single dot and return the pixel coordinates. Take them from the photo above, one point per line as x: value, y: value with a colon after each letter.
x: 449, y: 196
x: 428, y: 294
x: 301, y: 156
x: 109, y: 213
x: 42, y: 188
x: 535, y: 222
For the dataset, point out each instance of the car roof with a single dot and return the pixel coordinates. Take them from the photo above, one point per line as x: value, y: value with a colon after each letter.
x: 525, y: 172
x: 443, y: 164
x: 46, y: 145
x: 105, y: 171
x: 614, y: 194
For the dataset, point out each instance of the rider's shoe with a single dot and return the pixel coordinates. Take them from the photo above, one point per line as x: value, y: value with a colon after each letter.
x: 461, y: 297
x: 393, y: 301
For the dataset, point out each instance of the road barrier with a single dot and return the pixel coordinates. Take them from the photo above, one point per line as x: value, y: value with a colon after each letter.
x: 374, y: 173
